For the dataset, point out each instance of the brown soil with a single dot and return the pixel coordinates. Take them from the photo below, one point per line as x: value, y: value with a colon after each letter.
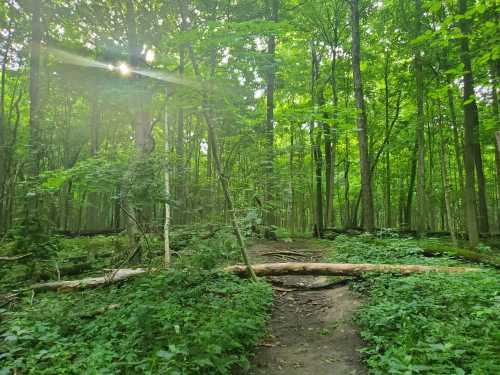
x: 311, y: 331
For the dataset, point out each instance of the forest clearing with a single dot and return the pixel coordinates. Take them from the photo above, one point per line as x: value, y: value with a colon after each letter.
x: 249, y: 187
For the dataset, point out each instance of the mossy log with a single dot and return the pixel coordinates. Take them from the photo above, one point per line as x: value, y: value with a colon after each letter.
x: 466, y: 254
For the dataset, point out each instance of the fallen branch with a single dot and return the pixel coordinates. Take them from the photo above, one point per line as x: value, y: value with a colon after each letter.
x: 100, y: 311
x: 281, y: 286
x: 91, y: 282
x: 17, y: 257
x: 292, y: 253
x: 265, y: 269
x: 339, y: 269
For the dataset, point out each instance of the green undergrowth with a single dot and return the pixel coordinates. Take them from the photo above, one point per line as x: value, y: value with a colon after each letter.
x: 190, y: 319
x: 431, y: 323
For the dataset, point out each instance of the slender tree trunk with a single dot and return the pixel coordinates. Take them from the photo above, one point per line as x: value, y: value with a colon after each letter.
x: 180, y: 173
x: 411, y: 187
x: 446, y: 185
x: 347, y: 164
x: 497, y: 142
x: 269, y: 131
x: 220, y: 171
x: 3, y: 140
x: 456, y: 138
x: 419, y: 77
x: 388, y: 216
x: 36, y: 39
x: 366, y: 184
x: 166, y: 175
x: 470, y: 128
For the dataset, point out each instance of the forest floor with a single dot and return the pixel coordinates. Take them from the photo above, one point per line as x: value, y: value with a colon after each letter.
x: 311, y: 330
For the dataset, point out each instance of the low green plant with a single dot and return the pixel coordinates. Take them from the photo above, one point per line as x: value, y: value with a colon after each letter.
x: 432, y: 323
x: 176, y: 322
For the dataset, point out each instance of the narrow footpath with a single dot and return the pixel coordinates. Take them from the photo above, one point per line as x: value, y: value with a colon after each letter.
x: 311, y: 329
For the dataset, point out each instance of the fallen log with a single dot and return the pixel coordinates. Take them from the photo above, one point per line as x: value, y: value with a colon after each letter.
x: 339, y: 269
x: 90, y: 282
x: 264, y: 269
x: 467, y: 254
x: 17, y: 257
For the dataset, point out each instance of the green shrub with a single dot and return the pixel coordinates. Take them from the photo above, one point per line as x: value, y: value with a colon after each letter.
x: 427, y: 323
x: 175, y: 322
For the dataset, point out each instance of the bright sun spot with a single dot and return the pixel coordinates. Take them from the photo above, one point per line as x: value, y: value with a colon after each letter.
x: 124, y: 69
x: 111, y: 67
x: 150, y: 55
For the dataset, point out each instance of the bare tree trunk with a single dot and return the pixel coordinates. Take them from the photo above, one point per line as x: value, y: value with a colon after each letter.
x: 366, y: 184
x: 388, y: 216
x: 34, y: 136
x: 446, y: 185
x: 470, y: 127
x: 180, y: 173
x: 269, y: 131
x: 220, y: 172
x: 411, y: 187
x: 419, y: 77
x: 166, y: 175
x: 497, y: 143
x: 316, y: 145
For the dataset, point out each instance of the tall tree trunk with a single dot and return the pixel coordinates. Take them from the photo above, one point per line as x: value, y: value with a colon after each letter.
x: 411, y: 187
x: 180, y: 173
x: 269, y: 131
x: 219, y: 169
x: 456, y: 138
x: 446, y: 183
x: 3, y: 140
x: 316, y: 99
x: 419, y: 78
x: 387, y: 183
x: 470, y: 129
x: 494, y: 97
x: 366, y: 184
x: 166, y: 175
x: 34, y: 89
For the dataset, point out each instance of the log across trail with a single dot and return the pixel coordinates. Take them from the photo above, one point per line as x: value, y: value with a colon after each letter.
x: 339, y: 269
x: 264, y: 269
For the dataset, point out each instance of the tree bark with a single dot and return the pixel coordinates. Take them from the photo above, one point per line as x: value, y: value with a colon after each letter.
x: 411, y: 187
x: 166, y: 175
x: 419, y: 78
x: 366, y: 184
x: 340, y: 269
x: 34, y: 122
x: 470, y: 129
x: 269, y: 130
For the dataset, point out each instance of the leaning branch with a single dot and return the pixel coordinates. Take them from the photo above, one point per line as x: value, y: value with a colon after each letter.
x: 339, y: 269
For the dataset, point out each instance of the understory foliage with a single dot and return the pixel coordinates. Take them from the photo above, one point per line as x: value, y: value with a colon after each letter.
x: 188, y: 320
x: 431, y: 323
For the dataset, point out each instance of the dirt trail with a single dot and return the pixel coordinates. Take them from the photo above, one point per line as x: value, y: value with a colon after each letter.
x: 311, y: 331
